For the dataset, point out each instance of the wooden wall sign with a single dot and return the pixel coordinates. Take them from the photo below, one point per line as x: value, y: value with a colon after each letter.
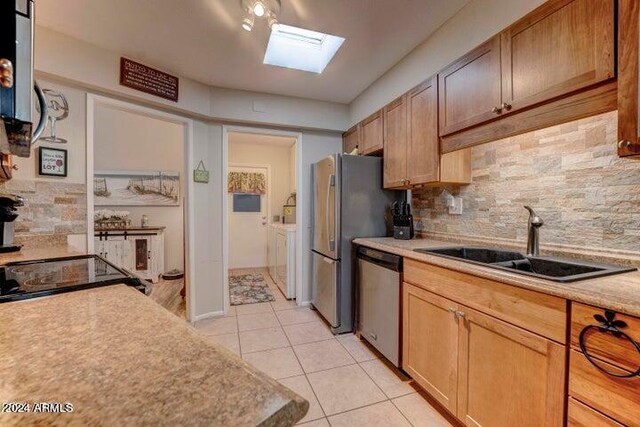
x: 149, y: 80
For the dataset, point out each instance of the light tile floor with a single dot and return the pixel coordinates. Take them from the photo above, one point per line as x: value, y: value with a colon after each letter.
x: 344, y: 381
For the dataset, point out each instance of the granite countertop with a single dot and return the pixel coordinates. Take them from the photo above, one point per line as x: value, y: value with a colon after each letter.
x: 38, y: 253
x: 121, y: 359
x: 619, y: 292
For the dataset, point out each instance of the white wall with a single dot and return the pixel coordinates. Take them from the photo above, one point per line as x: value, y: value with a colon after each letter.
x: 72, y: 128
x: 473, y: 24
x: 82, y: 68
x: 315, y: 146
x: 61, y: 56
x: 128, y: 141
x: 207, y: 225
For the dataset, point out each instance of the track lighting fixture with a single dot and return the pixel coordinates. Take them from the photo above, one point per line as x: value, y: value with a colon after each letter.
x: 267, y: 9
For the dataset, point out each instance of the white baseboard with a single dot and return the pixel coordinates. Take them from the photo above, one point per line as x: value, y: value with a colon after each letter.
x: 210, y: 315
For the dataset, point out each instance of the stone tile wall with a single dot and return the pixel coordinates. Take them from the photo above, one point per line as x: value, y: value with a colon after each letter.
x: 570, y: 174
x: 53, y: 210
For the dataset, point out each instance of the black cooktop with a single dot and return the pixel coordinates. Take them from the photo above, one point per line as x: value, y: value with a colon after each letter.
x: 29, y: 279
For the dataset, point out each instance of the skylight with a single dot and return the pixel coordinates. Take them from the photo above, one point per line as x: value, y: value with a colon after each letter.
x: 301, y: 49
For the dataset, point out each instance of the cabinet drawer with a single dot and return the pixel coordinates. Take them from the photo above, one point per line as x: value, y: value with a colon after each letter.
x: 540, y: 313
x: 619, y: 351
x: 583, y: 416
x: 618, y: 398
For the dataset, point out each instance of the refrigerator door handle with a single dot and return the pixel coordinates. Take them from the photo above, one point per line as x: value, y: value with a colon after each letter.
x: 331, y: 240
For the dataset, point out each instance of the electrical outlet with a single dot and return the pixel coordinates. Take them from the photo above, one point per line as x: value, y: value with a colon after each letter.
x: 456, y: 208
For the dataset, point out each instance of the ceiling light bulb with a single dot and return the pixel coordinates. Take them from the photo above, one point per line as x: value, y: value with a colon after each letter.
x: 247, y: 22
x: 273, y: 22
x: 258, y: 9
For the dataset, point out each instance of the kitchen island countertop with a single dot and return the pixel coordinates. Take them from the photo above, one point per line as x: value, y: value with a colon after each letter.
x: 620, y: 292
x: 121, y: 359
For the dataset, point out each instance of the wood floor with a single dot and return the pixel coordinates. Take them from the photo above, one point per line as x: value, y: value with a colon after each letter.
x: 167, y: 294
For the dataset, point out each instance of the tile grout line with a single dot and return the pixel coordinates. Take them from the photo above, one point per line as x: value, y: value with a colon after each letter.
x: 302, y: 368
x: 399, y: 410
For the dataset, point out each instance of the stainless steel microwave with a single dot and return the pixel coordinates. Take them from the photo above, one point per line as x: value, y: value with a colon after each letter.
x: 17, y: 130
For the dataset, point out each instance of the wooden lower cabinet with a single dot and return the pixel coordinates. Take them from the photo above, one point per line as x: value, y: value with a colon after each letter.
x: 583, y: 416
x: 485, y: 371
x: 508, y: 376
x: 430, y: 343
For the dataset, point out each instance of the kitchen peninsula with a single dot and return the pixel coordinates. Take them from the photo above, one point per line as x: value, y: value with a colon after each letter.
x: 121, y: 359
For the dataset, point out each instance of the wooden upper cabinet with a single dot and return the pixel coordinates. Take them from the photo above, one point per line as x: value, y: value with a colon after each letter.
x: 351, y: 139
x: 508, y: 376
x: 423, y: 143
x: 395, y: 143
x: 372, y: 134
x: 561, y: 47
x: 628, y: 77
x: 471, y: 88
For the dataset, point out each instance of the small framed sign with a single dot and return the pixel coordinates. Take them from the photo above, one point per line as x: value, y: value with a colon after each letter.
x: 52, y: 161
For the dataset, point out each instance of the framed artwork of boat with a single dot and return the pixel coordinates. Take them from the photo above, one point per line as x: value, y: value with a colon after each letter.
x: 136, y: 188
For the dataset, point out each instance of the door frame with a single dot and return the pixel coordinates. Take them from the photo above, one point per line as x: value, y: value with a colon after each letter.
x: 226, y: 129
x: 188, y: 206
x: 257, y: 166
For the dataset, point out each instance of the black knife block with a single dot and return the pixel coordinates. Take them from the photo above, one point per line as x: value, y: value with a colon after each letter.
x: 402, y: 221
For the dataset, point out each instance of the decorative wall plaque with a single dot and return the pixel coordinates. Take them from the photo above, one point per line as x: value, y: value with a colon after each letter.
x: 149, y: 80
x: 52, y: 162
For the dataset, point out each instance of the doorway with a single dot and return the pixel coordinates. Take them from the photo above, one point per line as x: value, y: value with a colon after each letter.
x: 261, y: 185
x: 136, y: 214
x: 248, y: 219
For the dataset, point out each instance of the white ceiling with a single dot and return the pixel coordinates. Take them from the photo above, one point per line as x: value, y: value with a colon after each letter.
x: 202, y: 39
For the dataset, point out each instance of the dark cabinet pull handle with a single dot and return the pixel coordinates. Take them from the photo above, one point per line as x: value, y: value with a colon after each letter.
x: 608, y: 325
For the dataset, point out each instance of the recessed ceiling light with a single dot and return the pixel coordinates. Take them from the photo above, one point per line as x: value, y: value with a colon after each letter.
x: 301, y: 49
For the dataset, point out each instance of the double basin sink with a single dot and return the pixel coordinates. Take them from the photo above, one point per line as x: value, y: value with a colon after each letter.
x: 558, y: 270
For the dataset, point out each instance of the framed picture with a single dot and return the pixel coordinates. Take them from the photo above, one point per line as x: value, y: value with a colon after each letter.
x: 52, y: 161
x: 136, y: 188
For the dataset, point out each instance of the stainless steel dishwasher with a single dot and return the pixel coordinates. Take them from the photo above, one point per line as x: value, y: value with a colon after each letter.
x: 379, y: 301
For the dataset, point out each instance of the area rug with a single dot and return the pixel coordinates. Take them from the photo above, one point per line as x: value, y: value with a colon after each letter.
x: 249, y: 289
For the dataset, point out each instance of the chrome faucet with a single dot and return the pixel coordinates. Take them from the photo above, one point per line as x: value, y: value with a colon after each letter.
x: 533, y: 239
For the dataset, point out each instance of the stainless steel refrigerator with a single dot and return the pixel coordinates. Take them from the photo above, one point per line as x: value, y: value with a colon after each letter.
x: 348, y: 202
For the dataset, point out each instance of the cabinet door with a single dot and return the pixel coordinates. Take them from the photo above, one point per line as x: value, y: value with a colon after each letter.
x: 98, y: 246
x: 423, y: 148
x: 563, y: 46
x: 430, y: 343
x: 372, y: 133
x: 142, y: 252
x: 114, y: 251
x: 470, y: 88
x: 628, y: 78
x: 351, y: 139
x: 508, y: 376
x: 583, y: 416
x: 395, y: 144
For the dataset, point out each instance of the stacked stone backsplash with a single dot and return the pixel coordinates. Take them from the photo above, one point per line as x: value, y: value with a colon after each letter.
x: 570, y: 174
x: 53, y: 210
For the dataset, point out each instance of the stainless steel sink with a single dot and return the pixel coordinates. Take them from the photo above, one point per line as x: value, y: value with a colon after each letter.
x: 556, y: 269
